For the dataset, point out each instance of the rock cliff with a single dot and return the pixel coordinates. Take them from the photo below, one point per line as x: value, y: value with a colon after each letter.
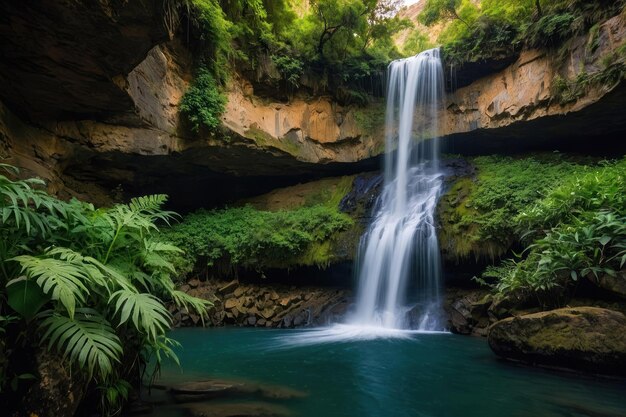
x: 102, y: 122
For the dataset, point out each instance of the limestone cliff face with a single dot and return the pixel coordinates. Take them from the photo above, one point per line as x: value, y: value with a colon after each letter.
x: 526, y: 91
x: 102, y: 122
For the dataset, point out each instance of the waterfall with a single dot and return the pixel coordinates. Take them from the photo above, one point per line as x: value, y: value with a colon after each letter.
x: 400, y: 249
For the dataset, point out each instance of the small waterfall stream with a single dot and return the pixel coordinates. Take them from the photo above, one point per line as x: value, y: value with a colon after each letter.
x: 400, y: 250
x: 401, y: 247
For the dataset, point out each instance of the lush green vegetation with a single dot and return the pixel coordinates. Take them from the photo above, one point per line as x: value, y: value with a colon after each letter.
x: 577, y: 230
x: 203, y: 103
x: 89, y: 284
x: 569, y: 215
x: 479, y: 214
x: 498, y: 28
x: 341, y: 45
x: 257, y: 239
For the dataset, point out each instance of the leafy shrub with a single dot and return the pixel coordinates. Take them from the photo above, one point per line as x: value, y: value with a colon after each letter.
x: 502, y: 27
x: 479, y: 215
x: 550, y: 30
x: 251, y: 238
x: 592, y: 245
x: 590, y: 189
x: 487, y: 38
x: 92, y: 283
x: 290, y: 68
x: 578, y: 229
x: 203, y: 104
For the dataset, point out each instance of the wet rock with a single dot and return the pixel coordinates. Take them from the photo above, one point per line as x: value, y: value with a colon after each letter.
x: 203, y: 390
x: 56, y: 392
x: 267, y: 313
x: 585, y: 338
x: 138, y: 408
x: 231, y: 303
x: 616, y: 285
x: 467, y: 311
x: 228, y: 288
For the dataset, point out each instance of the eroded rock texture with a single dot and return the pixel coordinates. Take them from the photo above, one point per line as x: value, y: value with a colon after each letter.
x: 101, y: 121
x: 584, y: 338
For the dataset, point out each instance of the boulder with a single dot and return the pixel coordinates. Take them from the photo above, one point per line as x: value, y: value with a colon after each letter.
x: 57, y: 392
x: 231, y: 303
x: 467, y: 313
x: 585, y: 338
x: 203, y: 390
x: 228, y: 288
x: 614, y: 284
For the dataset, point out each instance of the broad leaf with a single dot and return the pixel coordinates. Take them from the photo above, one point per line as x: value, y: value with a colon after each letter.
x: 87, y: 339
x: 25, y: 297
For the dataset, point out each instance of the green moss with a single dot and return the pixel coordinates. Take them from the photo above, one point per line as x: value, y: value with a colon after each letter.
x: 371, y: 118
x: 255, y: 239
x: 576, y: 229
x: 290, y: 227
x: 478, y: 214
x: 264, y: 139
x: 329, y: 193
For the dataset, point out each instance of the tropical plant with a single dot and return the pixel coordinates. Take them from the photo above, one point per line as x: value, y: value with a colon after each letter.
x: 256, y: 239
x: 89, y: 283
x: 576, y: 230
x: 203, y: 104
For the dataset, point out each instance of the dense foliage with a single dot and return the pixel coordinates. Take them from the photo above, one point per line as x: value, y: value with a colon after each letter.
x: 87, y: 283
x: 343, y: 46
x: 498, y: 28
x: 479, y: 214
x: 570, y: 216
x: 577, y: 230
x: 203, y: 103
x: 257, y: 239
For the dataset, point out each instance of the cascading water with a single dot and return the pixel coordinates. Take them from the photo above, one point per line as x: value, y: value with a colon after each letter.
x: 401, y: 243
x: 400, y: 249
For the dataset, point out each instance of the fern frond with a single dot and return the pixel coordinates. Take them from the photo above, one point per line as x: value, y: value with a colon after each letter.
x: 62, y: 280
x: 146, y: 312
x: 87, y: 339
x: 190, y: 303
x: 153, y: 255
x: 148, y: 203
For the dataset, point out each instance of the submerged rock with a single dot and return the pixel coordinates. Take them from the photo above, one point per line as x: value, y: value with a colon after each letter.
x: 203, y: 390
x: 589, y: 339
x: 256, y: 409
x: 216, y: 388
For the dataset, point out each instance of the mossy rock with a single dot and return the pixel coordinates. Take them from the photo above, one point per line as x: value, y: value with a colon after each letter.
x: 587, y: 339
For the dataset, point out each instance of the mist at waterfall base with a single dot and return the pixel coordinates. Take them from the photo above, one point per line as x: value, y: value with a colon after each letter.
x: 400, y: 248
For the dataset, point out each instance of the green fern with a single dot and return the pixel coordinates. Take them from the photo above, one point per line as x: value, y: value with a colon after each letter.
x: 104, y: 273
x: 62, y: 280
x: 184, y: 300
x: 88, y: 340
x: 146, y: 312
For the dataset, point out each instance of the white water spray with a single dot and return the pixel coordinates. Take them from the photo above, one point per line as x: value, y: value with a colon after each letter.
x: 400, y: 249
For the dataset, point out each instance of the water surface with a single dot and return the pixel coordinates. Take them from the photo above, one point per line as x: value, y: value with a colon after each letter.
x: 418, y: 375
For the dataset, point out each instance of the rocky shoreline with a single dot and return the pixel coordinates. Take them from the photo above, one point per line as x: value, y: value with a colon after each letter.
x: 260, y: 305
